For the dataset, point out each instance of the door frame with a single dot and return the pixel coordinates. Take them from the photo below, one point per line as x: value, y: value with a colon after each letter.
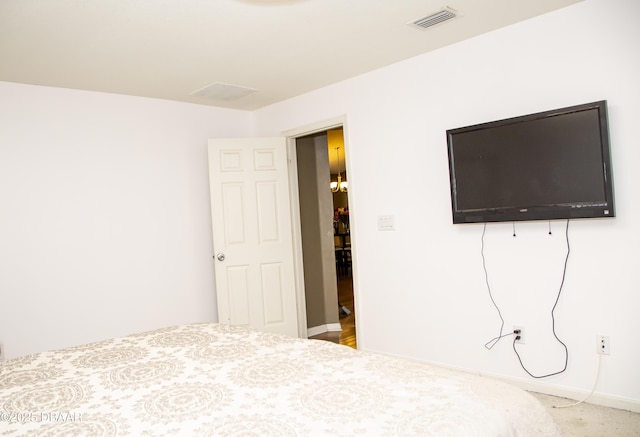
x: 298, y: 263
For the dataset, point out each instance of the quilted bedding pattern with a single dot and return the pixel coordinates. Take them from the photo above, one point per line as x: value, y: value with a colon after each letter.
x: 220, y: 380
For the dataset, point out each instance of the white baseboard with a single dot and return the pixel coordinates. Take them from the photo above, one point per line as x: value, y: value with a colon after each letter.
x: 569, y: 393
x: 330, y: 327
x: 577, y: 395
x: 547, y: 389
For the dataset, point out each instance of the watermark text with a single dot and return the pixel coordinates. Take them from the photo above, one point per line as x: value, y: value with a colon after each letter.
x: 44, y: 416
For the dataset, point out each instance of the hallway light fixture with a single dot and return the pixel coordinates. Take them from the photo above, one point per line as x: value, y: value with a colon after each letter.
x: 341, y: 185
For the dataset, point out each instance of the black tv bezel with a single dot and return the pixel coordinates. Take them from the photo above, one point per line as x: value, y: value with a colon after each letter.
x: 537, y: 212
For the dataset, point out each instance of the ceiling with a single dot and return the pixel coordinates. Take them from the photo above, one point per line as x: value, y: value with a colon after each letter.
x: 168, y: 49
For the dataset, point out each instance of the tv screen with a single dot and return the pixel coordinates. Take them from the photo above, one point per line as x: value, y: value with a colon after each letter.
x: 544, y: 166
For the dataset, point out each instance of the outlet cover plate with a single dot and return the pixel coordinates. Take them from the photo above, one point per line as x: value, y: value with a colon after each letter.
x: 603, y: 345
x: 521, y: 339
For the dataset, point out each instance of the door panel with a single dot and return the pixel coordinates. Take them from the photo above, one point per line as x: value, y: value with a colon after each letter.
x: 251, y: 219
x: 238, y: 301
x: 232, y: 201
x: 273, y: 293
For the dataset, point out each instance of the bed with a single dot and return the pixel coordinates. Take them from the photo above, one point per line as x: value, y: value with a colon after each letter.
x: 220, y: 380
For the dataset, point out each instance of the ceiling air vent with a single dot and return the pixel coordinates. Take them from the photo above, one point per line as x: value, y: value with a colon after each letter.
x: 445, y: 14
x: 223, y: 91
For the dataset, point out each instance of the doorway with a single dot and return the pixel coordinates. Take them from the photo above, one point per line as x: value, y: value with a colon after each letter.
x: 326, y: 236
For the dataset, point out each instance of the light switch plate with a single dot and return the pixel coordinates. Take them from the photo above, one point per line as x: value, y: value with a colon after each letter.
x: 386, y: 223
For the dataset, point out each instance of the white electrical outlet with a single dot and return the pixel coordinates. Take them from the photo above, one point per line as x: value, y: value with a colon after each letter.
x: 603, y: 345
x: 521, y: 335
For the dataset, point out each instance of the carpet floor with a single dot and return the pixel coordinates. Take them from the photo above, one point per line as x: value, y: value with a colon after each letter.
x: 590, y: 420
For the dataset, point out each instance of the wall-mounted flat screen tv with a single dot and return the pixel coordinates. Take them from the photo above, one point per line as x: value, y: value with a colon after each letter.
x: 544, y: 166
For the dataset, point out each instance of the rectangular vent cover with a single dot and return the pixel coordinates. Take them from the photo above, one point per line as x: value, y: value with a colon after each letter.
x: 223, y: 91
x: 445, y: 14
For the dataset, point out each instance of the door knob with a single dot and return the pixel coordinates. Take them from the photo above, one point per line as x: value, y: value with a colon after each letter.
x: 220, y: 257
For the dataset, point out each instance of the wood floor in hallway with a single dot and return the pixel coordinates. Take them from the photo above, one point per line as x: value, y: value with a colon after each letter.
x: 347, y: 336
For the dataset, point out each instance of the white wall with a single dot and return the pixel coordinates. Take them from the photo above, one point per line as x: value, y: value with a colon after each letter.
x: 105, y: 215
x: 105, y: 222
x: 420, y: 290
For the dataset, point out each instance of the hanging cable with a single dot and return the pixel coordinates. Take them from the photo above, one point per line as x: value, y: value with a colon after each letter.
x: 491, y: 343
x: 553, y: 319
x: 593, y: 390
x: 496, y: 339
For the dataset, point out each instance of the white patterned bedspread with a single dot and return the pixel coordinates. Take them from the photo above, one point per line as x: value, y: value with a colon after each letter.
x: 218, y: 380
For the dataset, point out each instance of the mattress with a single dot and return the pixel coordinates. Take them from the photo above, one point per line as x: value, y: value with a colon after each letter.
x: 221, y: 380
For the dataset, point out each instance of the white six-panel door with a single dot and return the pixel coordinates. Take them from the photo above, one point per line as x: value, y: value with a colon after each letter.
x: 252, y: 238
